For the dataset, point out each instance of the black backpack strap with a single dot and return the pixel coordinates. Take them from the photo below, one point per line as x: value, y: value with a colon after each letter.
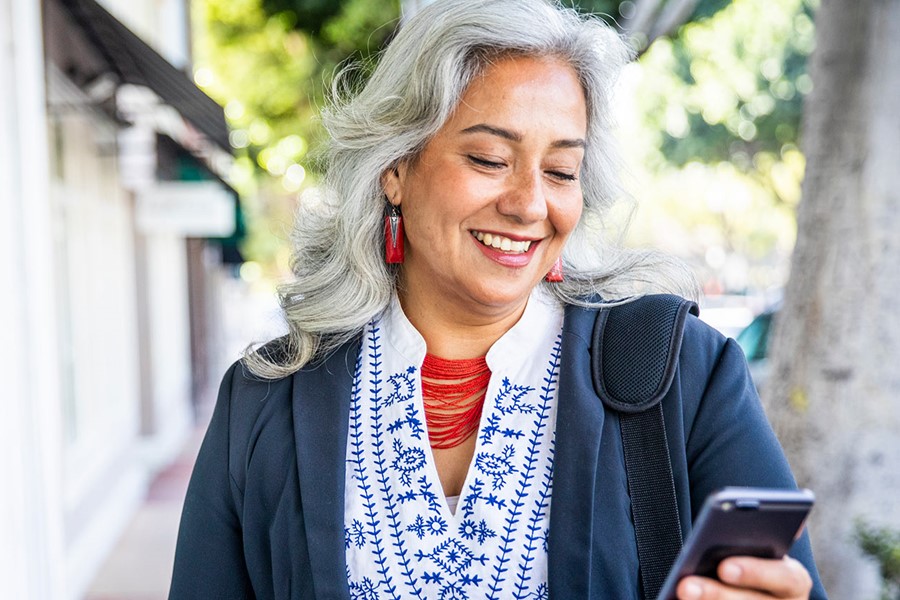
x: 635, y: 349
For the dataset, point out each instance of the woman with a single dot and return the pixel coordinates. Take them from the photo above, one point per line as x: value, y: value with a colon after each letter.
x: 442, y: 439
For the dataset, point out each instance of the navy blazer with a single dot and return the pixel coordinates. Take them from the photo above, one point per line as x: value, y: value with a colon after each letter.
x: 264, y: 512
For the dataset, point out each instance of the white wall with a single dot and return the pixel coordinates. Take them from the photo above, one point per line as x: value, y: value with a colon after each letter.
x: 168, y: 417
x: 163, y: 289
x: 31, y: 544
x: 103, y: 478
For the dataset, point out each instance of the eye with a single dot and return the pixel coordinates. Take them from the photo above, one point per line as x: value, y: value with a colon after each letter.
x: 563, y: 176
x: 487, y: 164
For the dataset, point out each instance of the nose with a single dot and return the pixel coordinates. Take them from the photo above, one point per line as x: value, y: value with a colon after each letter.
x: 525, y: 199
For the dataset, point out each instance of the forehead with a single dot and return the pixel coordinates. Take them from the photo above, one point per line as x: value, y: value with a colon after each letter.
x: 525, y: 88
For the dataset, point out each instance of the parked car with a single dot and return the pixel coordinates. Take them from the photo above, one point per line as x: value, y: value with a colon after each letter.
x: 754, y: 341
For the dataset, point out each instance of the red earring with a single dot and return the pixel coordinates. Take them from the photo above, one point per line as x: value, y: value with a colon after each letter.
x: 556, y: 272
x: 393, y: 237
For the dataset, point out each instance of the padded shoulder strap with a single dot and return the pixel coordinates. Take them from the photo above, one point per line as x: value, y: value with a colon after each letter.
x: 635, y: 350
x: 634, y: 355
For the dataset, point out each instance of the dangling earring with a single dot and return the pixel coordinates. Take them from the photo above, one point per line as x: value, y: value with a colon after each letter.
x: 555, y: 275
x: 393, y: 237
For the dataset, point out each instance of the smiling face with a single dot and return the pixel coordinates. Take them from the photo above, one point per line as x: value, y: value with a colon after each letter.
x: 490, y: 201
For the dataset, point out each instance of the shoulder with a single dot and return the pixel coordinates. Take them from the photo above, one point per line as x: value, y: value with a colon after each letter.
x: 702, y: 341
x: 249, y: 409
x: 249, y: 393
x: 654, y: 317
x: 654, y: 334
x: 257, y: 403
x: 706, y: 354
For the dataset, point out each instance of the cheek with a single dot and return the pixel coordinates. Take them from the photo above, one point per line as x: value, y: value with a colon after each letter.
x: 423, y: 221
x: 568, y: 215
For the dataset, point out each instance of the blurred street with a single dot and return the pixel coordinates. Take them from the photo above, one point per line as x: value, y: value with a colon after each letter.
x: 140, y: 566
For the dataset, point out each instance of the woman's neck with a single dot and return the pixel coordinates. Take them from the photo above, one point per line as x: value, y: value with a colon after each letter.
x: 453, y: 333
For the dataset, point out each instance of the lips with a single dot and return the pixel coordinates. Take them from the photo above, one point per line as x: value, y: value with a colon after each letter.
x: 502, y: 243
x: 505, y: 251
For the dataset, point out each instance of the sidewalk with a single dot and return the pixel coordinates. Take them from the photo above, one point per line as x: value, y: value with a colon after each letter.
x: 140, y: 566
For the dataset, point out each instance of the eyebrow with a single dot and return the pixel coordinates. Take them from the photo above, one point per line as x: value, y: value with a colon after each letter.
x: 514, y: 136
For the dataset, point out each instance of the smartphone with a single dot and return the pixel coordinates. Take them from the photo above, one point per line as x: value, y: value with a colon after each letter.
x: 762, y: 522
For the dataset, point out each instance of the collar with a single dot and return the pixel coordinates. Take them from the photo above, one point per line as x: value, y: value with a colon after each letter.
x: 543, y: 313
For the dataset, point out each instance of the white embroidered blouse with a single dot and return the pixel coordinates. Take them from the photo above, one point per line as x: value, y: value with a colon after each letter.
x: 401, y: 538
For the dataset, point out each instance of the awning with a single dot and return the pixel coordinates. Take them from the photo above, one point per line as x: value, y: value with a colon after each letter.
x: 177, y: 163
x: 115, y: 49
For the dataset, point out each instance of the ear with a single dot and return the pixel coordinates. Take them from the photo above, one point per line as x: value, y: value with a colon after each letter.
x: 391, y: 183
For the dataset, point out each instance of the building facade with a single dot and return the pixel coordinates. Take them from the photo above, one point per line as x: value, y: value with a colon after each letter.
x: 116, y: 225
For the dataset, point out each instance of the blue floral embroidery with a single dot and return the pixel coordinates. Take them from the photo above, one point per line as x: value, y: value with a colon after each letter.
x: 493, y: 428
x: 404, y: 388
x: 435, y: 577
x: 509, y: 400
x: 469, y: 530
x: 436, y: 525
x: 364, y: 590
x: 474, y: 495
x: 522, y: 490
x: 424, y: 492
x: 358, y: 463
x: 536, y: 534
x: 411, y: 420
x: 452, y: 557
x: 355, y: 534
x: 497, y: 466
x: 453, y: 591
x: 380, y: 558
x: 433, y: 525
x: 396, y: 504
x: 408, y: 461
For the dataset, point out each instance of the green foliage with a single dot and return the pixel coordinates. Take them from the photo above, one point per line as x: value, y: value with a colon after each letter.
x: 734, y: 84
x: 707, y: 8
x: 718, y: 109
x: 269, y: 62
x: 883, y: 545
x: 617, y: 9
x: 310, y: 15
x: 271, y: 69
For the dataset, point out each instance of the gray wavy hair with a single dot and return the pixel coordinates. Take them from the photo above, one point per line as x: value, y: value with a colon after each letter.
x: 341, y: 280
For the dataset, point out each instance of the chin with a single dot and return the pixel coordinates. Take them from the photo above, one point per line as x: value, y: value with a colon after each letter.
x: 499, y: 296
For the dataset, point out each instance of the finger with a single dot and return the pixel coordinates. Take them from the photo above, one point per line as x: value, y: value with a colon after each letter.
x: 784, y: 578
x: 701, y: 588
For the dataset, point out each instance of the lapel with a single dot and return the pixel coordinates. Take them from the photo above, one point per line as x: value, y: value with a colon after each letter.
x: 321, y: 409
x: 579, y: 423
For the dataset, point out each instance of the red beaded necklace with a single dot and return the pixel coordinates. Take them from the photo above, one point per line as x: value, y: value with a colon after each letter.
x: 453, y: 391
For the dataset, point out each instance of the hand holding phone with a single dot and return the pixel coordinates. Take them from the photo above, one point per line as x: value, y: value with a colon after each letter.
x: 761, y: 522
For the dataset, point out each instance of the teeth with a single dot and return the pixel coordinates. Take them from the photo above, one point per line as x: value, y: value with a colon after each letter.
x: 502, y: 243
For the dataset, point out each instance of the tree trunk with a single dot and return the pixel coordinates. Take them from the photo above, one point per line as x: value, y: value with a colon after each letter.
x: 834, y: 394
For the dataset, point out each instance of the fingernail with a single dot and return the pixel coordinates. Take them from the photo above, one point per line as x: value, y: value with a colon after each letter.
x: 691, y: 591
x: 730, y: 572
